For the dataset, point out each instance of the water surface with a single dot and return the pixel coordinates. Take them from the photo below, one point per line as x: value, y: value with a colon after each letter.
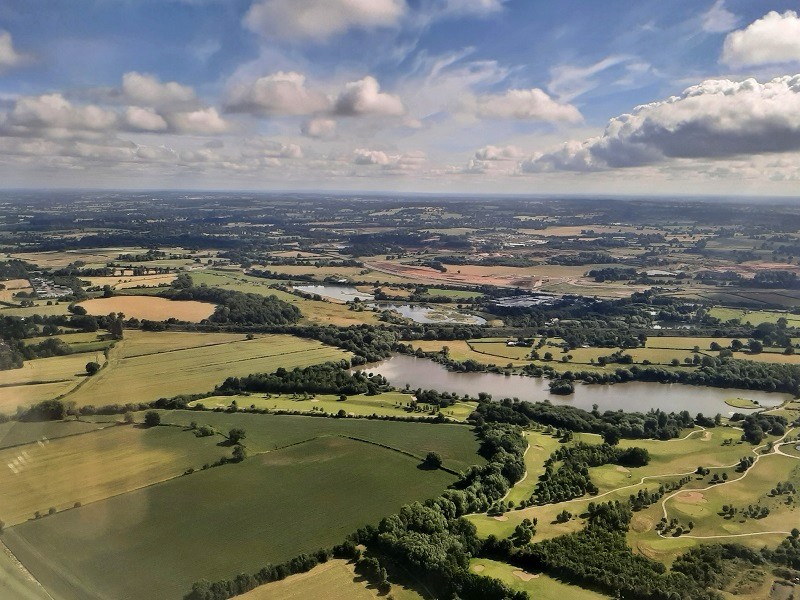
x: 633, y: 396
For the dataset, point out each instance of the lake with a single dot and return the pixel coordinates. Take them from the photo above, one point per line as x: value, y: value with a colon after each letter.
x: 344, y: 293
x: 633, y: 396
x: 421, y: 313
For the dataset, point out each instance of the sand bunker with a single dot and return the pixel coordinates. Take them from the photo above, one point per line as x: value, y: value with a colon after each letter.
x: 478, y: 568
x: 691, y: 498
x: 622, y: 469
x: 501, y: 518
x: 706, y: 436
x: 524, y: 575
x: 150, y: 307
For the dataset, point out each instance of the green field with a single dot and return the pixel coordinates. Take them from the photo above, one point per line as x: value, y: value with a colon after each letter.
x: 455, y: 443
x: 93, y: 466
x: 222, y: 521
x: 538, y: 585
x: 754, y: 317
x: 147, y: 366
x: 394, y: 404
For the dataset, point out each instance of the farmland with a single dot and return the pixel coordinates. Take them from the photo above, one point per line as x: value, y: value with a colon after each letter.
x: 148, y: 307
x: 264, y: 521
x: 95, y: 465
x: 393, y: 404
x: 197, y: 362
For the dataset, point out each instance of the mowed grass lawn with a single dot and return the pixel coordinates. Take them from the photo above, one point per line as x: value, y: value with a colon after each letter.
x: 539, y: 585
x: 155, y: 542
x: 93, y: 466
x: 455, y: 443
x: 146, y: 366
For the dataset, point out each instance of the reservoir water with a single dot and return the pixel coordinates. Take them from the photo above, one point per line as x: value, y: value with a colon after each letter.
x: 633, y: 396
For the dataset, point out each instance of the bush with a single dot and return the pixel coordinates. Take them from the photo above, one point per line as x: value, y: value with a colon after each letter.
x: 152, y: 418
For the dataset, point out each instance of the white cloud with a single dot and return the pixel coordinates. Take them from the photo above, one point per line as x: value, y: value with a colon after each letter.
x: 362, y: 156
x: 282, y: 93
x: 469, y: 7
x: 318, y: 20
x: 569, y: 81
x: 533, y: 104
x: 772, y: 39
x: 144, y: 119
x: 319, y: 128
x: 498, y: 153
x: 719, y: 19
x: 53, y: 111
x: 715, y: 119
x: 144, y: 89
x: 364, y: 97
x: 201, y: 121
x: 9, y: 57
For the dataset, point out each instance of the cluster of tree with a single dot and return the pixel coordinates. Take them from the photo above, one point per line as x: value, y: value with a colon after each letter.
x: 239, y: 308
x: 327, y: 378
x: 571, y: 478
x: 644, y: 498
x: 581, y: 258
x: 613, y: 274
x: 243, y: 583
x: 599, y: 557
x: 632, y: 425
x: 755, y: 427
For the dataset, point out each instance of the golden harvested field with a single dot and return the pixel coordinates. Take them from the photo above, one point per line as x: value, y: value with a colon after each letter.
x: 131, y: 281
x: 40, y: 379
x: 41, y: 308
x: 145, y: 366
x: 333, y: 580
x: 12, y: 286
x: 149, y: 307
x: 92, y: 466
x: 62, y: 259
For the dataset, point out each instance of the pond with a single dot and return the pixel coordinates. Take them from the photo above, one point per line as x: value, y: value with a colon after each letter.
x: 420, y: 313
x: 344, y: 293
x: 633, y: 396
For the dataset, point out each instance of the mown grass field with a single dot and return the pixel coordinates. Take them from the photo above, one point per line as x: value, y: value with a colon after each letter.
x: 268, y: 508
x: 146, y: 366
x: 40, y: 308
x: 14, y: 433
x: 754, y: 316
x: 456, y: 443
x: 394, y: 404
x: 540, y: 447
x: 93, y: 466
x: 538, y: 585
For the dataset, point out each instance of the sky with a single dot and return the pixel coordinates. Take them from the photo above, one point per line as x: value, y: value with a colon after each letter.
x: 689, y: 97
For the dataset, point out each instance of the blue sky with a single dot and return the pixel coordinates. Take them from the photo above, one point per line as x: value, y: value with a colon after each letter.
x: 633, y: 96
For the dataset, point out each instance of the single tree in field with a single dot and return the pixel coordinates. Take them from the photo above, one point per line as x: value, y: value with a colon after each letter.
x: 433, y: 460
x: 92, y: 367
x: 152, y: 418
x: 239, y: 453
x: 236, y: 435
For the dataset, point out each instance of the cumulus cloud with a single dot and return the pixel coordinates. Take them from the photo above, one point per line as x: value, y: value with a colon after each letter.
x: 146, y: 90
x: 9, y: 57
x: 362, y: 156
x: 719, y: 19
x: 498, y: 153
x: 144, y: 119
x: 772, y: 39
x: 533, y: 104
x: 715, y: 119
x: 277, y: 94
x: 319, y: 128
x: 363, y: 97
x: 201, y: 121
x: 318, y: 20
x: 53, y: 111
